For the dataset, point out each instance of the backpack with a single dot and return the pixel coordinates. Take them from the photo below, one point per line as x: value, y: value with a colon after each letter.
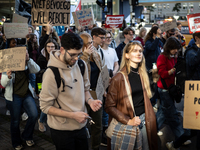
x: 181, y: 72
x: 59, y: 79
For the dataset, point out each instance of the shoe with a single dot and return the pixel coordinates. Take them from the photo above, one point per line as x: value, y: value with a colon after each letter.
x: 170, y: 146
x: 8, y: 113
x: 160, y: 133
x: 24, y: 116
x: 42, y: 128
x: 19, y: 147
x: 30, y: 143
x: 187, y: 142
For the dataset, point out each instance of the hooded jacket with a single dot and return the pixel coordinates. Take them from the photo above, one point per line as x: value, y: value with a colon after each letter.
x: 73, y: 97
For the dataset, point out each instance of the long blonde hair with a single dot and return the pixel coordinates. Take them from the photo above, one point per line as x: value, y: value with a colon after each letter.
x: 141, y: 67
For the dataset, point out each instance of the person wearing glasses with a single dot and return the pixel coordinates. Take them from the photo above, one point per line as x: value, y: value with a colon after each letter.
x: 42, y: 61
x: 168, y: 34
x: 94, y: 64
x: 65, y: 107
x: 128, y: 34
x: 98, y: 37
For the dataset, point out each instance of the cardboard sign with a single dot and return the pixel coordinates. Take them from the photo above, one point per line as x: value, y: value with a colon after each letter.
x: 19, y: 19
x: 102, y: 83
x: 194, y: 23
x: 114, y: 21
x: 12, y: 59
x: 15, y: 30
x: 75, y: 19
x: 84, y: 17
x: 55, y: 11
x: 168, y: 25
x: 191, y: 119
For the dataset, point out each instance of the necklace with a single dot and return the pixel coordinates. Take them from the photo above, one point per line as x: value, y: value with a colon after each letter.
x: 134, y: 72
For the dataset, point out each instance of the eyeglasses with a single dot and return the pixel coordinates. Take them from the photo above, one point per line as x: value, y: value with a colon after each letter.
x: 51, y: 47
x: 75, y: 55
x: 103, y: 38
x: 108, y: 38
x: 171, y: 34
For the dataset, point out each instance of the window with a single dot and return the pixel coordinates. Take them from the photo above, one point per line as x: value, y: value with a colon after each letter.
x: 159, y: 6
x: 168, y: 6
x: 155, y: 6
x: 185, y: 6
x: 164, y: 6
x: 191, y: 5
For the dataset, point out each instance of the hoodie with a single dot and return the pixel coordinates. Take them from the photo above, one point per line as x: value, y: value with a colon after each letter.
x: 71, y: 100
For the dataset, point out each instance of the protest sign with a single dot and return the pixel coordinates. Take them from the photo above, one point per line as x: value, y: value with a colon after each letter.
x: 12, y: 59
x: 114, y: 21
x: 84, y: 17
x: 168, y: 25
x: 55, y: 11
x: 15, y: 30
x: 102, y: 83
x: 194, y: 23
x: 191, y: 119
x: 75, y: 19
x: 19, y: 19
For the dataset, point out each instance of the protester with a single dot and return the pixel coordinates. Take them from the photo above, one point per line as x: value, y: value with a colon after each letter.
x: 128, y: 100
x: 3, y: 19
x: 19, y: 95
x: 128, y: 34
x: 3, y: 41
x: 42, y: 61
x: 37, y: 34
x: 141, y: 35
x: 67, y: 117
x: 168, y: 34
x: 30, y: 29
x: 179, y: 25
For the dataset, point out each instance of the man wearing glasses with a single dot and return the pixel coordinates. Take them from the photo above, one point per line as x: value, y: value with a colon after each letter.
x: 65, y: 107
x: 128, y: 34
x: 168, y: 34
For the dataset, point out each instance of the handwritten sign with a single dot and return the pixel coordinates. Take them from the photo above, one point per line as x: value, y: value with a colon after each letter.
x: 114, y: 21
x: 56, y: 11
x: 15, y: 30
x: 84, y: 17
x: 191, y: 119
x: 12, y: 59
x: 75, y: 19
x: 19, y: 19
x: 102, y: 83
x: 194, y: 22
x: 168, y: 25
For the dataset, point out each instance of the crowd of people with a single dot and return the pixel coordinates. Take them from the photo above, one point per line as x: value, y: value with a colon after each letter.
x: 62, y: 73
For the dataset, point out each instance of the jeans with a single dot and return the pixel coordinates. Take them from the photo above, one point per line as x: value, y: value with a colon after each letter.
x: 28, y: 105
x: 43, y: 117
x: 167, y: 112
x: 70, y: 140
x: 32, y: 78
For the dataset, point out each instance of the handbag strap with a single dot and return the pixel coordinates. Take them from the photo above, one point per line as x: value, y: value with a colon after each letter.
x: 164, y: 83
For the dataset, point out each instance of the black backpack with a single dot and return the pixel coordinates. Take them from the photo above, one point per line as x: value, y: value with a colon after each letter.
x: 181, y: 72
x: 59, y: 79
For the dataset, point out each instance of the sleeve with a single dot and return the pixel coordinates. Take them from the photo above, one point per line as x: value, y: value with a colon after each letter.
x: 192, y: 59
x: 118, y: 51
x: 115, y: 56
x: 43, y: 41
x: 5, y: 80
x: 86, y: 79
x: 33, y: 67
x: 151, y: 46
x: 49, y: 91
x: 162, y: 66
x: 111, y: 103
x: 86, y: 57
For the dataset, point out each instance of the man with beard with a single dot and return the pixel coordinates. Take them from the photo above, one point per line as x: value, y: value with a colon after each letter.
x: 168, y: 34
x: 65, y: 107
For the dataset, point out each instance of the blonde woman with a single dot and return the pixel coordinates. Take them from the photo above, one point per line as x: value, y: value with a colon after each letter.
x: 128, y: 98
x: 141, y: 35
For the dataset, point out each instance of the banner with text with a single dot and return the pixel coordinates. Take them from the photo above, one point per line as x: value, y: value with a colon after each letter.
x: 191, y: 118
x: 84, y: 17
x: 55, y: 11
x: 114, y: 21
x: 168, y: 25
x: 15, y: 30
x: 12, y: 59
x: 194, y: 23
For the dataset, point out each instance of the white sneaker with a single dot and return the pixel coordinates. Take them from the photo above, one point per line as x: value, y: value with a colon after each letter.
x: 170, y: 146
x: 160, y: 133
x: 187, y: 142
x: 30, y: 143
x: 8, y: 113
x: 24, y: 116
x: 19, y: 147
x: 42, y: 128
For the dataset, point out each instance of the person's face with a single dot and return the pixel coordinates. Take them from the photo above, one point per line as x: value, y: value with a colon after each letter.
x: 35, y: 38
x: 129, y: 36
x: 108, y: 39
x: 159, y: 31
x: 143, y: 33
x: 135, y: 55
x: 173, y: 51
x: 30, y: 30
x: 50, y: 47
x: 3, y: 19
x: 89, y: 42
x: 179, y: 27
x: 13, y: 43
x: 71, y: 56
x: 99, y: 39
x: 170, y: 33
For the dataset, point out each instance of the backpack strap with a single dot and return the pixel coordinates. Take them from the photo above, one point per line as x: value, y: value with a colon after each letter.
x: 164, y: 83
x: 101, y: 53
x: 81, y: 66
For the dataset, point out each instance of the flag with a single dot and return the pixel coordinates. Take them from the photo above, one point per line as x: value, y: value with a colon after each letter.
x: 78, y: 7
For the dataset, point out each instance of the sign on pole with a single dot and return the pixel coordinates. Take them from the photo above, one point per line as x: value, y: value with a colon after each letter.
x: 194, y: 23
x: 114, y: 21
x: 55, y: 11
x: 191, y: 119
x: 19, y: 19
x: 168, y: 25
x: 15, y: 30
x: 12, y: 59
